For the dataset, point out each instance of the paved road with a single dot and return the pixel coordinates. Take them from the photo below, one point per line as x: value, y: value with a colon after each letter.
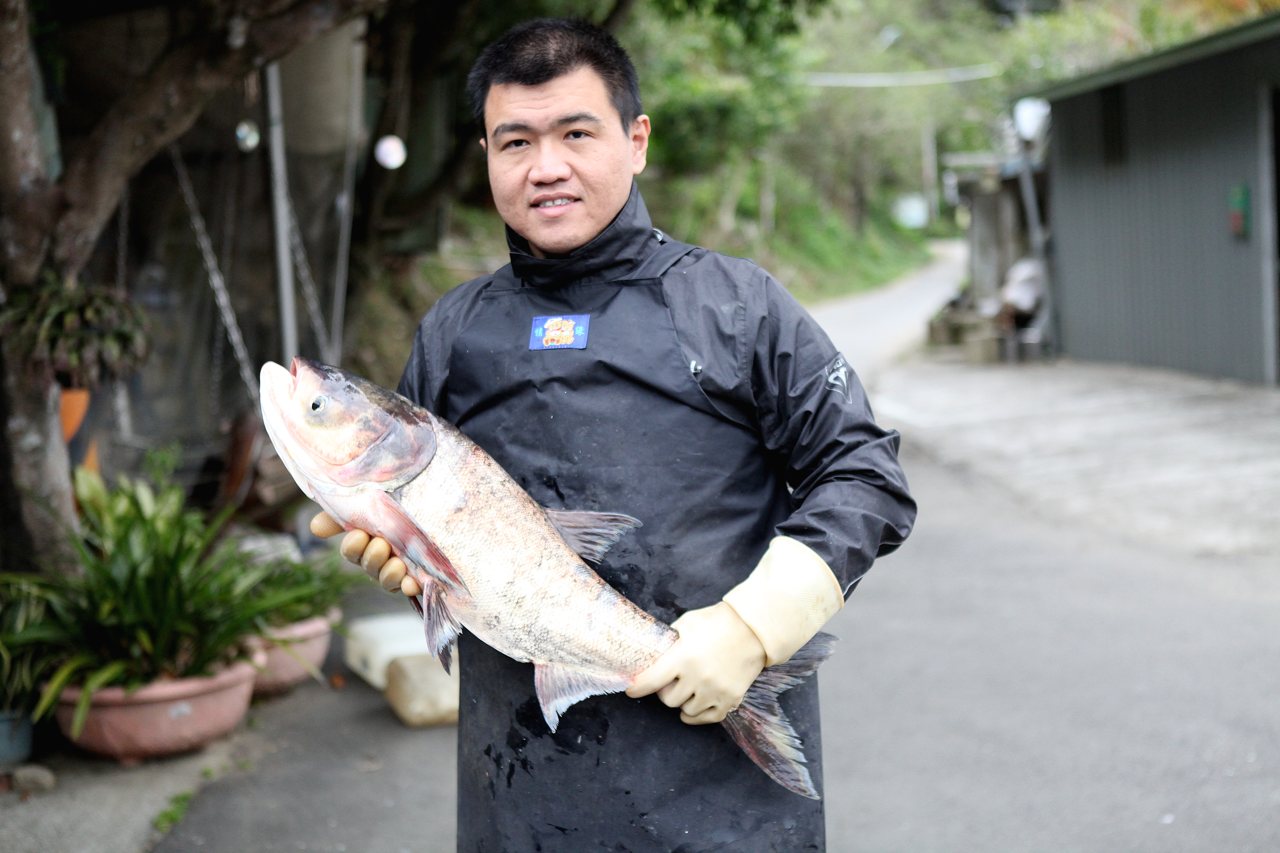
x: 1009, y: 682
x: 874, y: 329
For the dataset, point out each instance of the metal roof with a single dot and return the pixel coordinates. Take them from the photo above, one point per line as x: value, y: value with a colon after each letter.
x: 1234, y: 38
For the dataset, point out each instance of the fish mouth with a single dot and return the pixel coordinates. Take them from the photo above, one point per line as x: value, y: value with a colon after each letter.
x: 275, y: 385
x: 276, y: 378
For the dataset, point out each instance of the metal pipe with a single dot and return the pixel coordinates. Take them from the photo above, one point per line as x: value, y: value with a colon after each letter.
x: 280, y: 216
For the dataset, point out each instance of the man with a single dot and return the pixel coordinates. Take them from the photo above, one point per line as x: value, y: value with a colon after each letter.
x: 611, y: 368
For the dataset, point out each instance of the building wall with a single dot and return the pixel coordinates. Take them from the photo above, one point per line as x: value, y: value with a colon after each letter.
x: 1146, y: 269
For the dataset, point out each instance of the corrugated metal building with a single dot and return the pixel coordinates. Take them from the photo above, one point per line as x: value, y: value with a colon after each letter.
x: 1163, y: 210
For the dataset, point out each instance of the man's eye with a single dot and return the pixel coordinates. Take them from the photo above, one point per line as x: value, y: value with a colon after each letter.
x: 514, y: 143
x: 578, y: 134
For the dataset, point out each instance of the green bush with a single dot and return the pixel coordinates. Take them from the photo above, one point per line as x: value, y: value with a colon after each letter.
x: 157, y: 595
x: 324, y: 581
x: 21, y: 665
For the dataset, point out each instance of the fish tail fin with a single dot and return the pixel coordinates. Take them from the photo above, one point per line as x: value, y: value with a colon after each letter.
x: 764, y: 732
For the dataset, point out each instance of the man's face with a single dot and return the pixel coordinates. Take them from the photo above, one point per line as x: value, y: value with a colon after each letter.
x: 560, y: 163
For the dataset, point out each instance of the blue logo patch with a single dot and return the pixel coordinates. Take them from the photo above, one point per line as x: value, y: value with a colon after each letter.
x: 565, y: 331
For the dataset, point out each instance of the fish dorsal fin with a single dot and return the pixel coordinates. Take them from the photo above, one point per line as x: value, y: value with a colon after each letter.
x: 591, y: 534
x: 439, y: 625
x: 560, y: 685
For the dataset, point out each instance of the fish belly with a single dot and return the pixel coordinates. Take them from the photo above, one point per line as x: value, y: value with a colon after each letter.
x: 528, y: 594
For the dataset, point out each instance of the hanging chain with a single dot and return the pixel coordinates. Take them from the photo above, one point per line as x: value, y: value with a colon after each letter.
x: 215, y: 276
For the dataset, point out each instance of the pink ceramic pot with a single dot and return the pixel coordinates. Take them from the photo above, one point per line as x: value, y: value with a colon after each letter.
x: 288, y: 647
x: 161, y: 718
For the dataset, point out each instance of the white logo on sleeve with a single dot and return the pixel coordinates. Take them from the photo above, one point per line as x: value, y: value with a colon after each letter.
x: 837, y: 373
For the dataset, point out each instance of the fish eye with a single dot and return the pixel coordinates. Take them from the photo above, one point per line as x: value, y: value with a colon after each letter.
x: 319, y: 403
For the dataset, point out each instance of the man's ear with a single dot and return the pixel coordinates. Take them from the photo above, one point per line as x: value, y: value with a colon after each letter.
x: 484, y: 145
x: 639, y: 144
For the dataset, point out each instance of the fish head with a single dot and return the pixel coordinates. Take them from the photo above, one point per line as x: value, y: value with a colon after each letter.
x: 335, y: 431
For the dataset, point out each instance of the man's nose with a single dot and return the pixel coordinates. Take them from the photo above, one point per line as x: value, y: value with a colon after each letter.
x: 550, y: 166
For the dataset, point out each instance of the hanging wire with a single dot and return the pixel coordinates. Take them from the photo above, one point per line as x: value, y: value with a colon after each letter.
x: 309, y: 294
x: 225, y: 258
x: 122, y: 241
x: 119, y: 392
x: 216, y: 282
x: 345, y: 205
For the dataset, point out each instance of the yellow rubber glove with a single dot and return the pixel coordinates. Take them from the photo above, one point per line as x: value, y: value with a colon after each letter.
x: 708, y: 669
x: 371, y: 553
x: 787, y: 598
x: 762, y: 621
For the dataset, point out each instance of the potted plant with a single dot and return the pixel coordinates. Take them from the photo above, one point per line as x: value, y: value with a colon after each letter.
x: 22, y: 665
x: 81, y: 335
x: 77, y: 335
x: 296, y: 636
x: 147, y: 644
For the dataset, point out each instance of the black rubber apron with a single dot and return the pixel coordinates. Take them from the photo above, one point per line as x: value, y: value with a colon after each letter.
x: 622, y: 426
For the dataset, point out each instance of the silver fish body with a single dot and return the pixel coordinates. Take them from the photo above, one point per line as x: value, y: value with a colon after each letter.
x: 522, y: 579
x: 489, y: 558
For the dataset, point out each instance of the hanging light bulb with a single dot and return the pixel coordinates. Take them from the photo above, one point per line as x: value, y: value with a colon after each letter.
x: 390, y: 152
x: 247, y: 135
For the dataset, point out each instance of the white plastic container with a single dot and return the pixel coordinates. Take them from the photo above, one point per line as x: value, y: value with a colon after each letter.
x: 373, y: 642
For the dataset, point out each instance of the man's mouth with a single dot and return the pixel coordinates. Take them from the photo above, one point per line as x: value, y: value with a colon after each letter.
x: 554, y: 202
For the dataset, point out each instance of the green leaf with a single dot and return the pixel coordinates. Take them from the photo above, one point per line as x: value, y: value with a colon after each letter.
x: 57, y: 682
x: 99, y: 679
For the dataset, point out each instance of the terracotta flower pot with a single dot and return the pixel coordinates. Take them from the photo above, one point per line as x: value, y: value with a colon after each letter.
x: 161, y: 718
x: 288, y: 647
x: 73, y: 405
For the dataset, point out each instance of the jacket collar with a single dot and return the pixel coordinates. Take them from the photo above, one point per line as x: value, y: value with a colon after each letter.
x: 611, y: 254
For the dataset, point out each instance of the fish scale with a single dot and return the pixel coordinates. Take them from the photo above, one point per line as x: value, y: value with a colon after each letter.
x: 520, y: 574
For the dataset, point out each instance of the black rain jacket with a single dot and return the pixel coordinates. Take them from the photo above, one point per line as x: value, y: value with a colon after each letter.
x: 688, y: 389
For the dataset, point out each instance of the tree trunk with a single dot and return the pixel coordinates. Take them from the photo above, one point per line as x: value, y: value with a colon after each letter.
x: 42, y: 224
x: 768, y: 195
x: 26, y: 200
x: 727, y: 211
x: 36, y: 508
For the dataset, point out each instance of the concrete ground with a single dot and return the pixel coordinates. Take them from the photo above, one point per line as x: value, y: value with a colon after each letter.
x: 1074, y: 651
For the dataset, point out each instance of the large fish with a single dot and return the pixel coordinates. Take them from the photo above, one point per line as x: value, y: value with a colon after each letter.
x: 489, y: 558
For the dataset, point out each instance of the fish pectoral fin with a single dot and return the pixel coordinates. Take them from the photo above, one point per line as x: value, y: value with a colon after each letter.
x: 561, y: 685
x: 591, y: 534
x: 439, y: 625
x: 412, y: 544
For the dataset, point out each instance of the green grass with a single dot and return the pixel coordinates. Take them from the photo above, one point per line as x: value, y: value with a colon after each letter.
x: 812, y: 249
x: 828, y: 260
x: 174, y: 813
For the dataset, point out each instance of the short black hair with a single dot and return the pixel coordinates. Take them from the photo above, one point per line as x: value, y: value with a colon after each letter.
x: 540, y: 50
